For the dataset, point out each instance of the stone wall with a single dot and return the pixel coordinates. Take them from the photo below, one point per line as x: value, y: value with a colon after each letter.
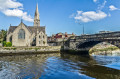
x: 22, y: 50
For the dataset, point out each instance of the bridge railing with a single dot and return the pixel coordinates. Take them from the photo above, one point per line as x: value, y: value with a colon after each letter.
x: 105, y: 35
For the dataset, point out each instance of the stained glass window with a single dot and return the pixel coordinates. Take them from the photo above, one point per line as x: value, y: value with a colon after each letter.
x: 21, y: 34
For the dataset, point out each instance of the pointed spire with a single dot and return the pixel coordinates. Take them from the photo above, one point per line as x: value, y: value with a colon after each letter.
x: 37, y: 12
x: 37, y: 18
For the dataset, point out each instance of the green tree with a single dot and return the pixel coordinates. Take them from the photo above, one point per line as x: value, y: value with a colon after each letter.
x: 3, y: 35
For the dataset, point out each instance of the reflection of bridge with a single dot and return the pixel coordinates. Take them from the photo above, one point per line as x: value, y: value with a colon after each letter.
x: 91, y: 67
x: 86, y: 42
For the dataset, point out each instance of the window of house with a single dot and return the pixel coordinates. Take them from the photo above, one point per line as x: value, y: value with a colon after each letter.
x: 21, y: 34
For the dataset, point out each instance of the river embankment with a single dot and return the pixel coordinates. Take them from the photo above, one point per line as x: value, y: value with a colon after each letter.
x: 110, y: 50
x: 29, y: 50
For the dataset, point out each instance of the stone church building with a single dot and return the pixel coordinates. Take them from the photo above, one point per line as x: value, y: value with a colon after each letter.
x: 23, y: 35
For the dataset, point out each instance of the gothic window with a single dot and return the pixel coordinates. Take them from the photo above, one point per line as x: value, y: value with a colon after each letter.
x: 39, y: 36
x: 21, y: 34
x: 43, y: 36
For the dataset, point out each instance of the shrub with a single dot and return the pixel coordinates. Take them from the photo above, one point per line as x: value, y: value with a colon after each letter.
x: 8, y: 44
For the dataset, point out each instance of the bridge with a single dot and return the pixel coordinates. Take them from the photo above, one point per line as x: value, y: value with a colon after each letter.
x: 86, y: 42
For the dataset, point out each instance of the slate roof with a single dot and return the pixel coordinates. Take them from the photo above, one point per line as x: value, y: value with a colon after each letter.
x: 32, y: 29
x: 11, y: 29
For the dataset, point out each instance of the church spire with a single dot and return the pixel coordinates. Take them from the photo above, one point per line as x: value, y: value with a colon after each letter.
x: 37, y: 18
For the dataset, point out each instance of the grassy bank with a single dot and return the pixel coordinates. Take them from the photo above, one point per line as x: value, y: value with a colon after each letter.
x: 111, y: 48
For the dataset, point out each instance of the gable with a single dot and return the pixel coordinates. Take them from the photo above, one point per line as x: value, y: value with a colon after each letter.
x: 31, y: 29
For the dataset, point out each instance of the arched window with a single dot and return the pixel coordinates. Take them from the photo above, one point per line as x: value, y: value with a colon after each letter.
x: 21, y: 34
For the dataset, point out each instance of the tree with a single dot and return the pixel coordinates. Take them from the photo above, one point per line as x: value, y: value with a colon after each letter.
x: 3, y: 35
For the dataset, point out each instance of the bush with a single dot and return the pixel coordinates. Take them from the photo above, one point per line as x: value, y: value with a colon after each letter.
x: 8, y: 44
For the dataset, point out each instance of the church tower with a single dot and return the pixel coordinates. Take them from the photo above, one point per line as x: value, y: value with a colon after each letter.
x: 36, y: 18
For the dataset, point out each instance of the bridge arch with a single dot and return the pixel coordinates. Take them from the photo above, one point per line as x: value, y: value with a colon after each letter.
x: 87, y: 45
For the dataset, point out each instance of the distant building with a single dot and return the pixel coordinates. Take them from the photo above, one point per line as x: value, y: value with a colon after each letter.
x: 105, y: 31
x: 59, y: 38
x: 23, y: 35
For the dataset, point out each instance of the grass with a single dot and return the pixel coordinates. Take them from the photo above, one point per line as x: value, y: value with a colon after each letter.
x: 111, y: 48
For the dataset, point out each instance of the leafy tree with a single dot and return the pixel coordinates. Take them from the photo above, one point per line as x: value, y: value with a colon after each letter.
x: 3, y: 35
x: 4, y: 43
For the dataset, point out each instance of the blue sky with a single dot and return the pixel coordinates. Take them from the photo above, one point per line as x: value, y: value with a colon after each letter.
x: 63, y: 15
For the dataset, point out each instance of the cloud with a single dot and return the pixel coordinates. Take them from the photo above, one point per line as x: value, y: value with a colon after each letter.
x: 100, y: 7
x: 112, y: 7
x: 14, y: 8
x: 89, y: 16
x: 94, y: 0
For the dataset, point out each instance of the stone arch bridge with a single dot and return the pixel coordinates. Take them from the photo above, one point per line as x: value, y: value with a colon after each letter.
x: 86, y: 42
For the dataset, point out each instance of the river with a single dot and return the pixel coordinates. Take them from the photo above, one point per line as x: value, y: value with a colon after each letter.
x: 59, y: 66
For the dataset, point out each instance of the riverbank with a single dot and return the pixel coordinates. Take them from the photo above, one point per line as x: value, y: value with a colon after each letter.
x: 108, y: 52
x: 29, y: 50
x: 104, y: 51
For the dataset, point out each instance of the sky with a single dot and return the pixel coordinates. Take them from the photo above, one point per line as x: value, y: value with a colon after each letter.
x: 63, y: 15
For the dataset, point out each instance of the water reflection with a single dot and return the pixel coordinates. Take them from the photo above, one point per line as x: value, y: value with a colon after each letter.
x: 58, y: 66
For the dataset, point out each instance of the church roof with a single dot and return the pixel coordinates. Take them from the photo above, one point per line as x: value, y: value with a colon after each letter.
x: 32, y: 29
x: 11, y: 29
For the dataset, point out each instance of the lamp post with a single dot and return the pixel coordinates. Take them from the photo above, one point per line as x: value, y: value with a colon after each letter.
x: 83, y: 27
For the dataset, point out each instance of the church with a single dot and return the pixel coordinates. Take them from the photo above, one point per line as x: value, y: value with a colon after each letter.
x: 23, y: 35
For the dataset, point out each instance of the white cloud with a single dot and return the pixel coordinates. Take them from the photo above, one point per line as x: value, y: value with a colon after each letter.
x: 100, y: 7
x: 94, y: 0
x: 14, y: 12
x: 89, y: 16
x: 14, y: 8
x: 112, y: 7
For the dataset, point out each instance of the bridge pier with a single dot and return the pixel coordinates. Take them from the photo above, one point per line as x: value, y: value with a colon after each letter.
x: 75, y: 51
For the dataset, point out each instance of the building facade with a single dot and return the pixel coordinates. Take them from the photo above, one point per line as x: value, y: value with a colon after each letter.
x: 59, y: 38
x: 23, y: 35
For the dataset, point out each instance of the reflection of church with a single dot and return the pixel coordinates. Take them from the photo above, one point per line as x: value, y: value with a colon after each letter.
x: 23, y: 35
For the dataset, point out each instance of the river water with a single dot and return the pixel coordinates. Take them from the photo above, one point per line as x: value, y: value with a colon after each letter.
x: 59, y: 66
